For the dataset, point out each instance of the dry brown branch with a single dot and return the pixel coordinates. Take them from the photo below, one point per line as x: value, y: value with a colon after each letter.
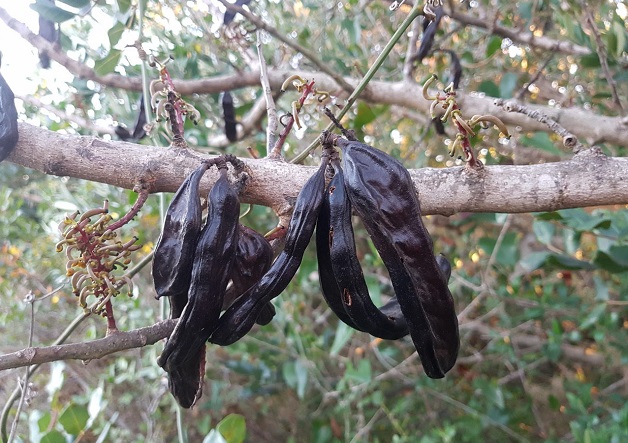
x: 589, y: 179
x: 602, y: 55
x: 149, y: 335
x: 116, y: 342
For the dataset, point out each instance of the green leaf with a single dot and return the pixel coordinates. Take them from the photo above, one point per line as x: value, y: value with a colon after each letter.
x: 74, y: 418
x: 489, y: 88
x: 108, y: 64
x: 544, y: 231
x: 78, y: 4
x: 53, y: 436
x: 590, y: 61
x: 525, y: 10
x: 342, y: 336
x: 494, y: 45
x: 361, y: 374
x: 508, y: 252
x: 601, y: 289
x: 549, y: 216
x: 567, y: 262
x: 115, y: 33
x: 615, y: 260
x: 232, y: 428
x: 553, y: 402
x: 534, y: 260
x: 352, y: 26
x: 51, y: 12
x: 542, y: 141
x: 619, y: 30
x: 301, y: 373
x: 44, y: 422
x: 593, y: 317
x: 508, y: 84
x: 364, y: 116
x: 581, y: 220
x: 124, y: 5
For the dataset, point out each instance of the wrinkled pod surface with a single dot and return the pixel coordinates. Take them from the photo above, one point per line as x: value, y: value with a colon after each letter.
x: 382, y: 193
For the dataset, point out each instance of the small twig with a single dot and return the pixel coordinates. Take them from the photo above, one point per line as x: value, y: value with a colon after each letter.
x: 276, y: 151
x: 143, y: 194
x: 539, y: 71
x: 569, y: 140
x: 408, y: 65
x: 30, y: 299
x: 602, y: 55
x: 89, y: 350
x: 137, y: 268
x: 271, y: 110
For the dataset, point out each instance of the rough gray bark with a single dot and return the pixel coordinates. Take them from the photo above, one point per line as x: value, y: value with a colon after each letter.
x: 590, y: 178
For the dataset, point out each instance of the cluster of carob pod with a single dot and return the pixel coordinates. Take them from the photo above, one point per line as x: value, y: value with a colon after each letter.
x: 194, y: 263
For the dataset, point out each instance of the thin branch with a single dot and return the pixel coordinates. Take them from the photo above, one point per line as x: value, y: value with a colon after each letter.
x: 324, y: 67
x: 602, y: 55
x: 569, y: 140
x: 271, y: 110
x: 408, y: 65
x: 30, y: 299
x: 118, y: 341
x: 519, y: 95
x: 519, y: 36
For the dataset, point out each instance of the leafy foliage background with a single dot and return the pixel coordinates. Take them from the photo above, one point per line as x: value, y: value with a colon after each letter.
x: 542, y: 296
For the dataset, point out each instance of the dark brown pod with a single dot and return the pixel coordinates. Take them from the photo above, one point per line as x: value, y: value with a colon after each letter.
x: 429, y: 33
x: 228, y: 113
x: 213, y: 258
x: 329, y: 286
x: 186, y: 381
x: 174, y: 253
x: 382, y: 193
x: 254, y: 256
x: 240, y: 317
x: 347, y: 270
x: 8, y: 120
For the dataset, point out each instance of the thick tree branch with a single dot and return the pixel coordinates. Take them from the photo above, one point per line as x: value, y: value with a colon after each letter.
x: 589, y: 179
x: 116, y: 342
x: 584, y: 124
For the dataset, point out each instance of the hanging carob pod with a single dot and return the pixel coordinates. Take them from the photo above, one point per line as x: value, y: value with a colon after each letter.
x: 238, y: 320
x: 340, y: 274
x: 184, y: 352
x: 228, y: 113
x: 382, y: 193
x: 174, y: 253
x: 254, y: 256
x: 392, y: 308
x: 329, y: 286
x: 348, y: 271
x: 8, y: 120
x: 430, y: 27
